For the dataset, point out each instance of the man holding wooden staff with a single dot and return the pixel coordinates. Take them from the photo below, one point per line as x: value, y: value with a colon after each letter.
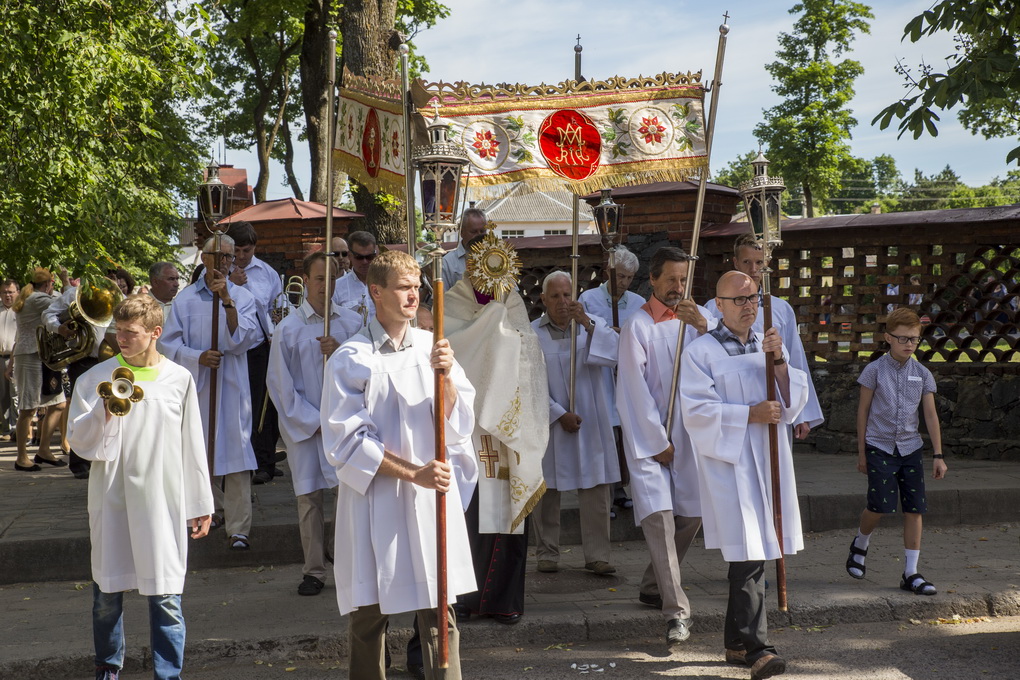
x: 187, y: 340
x: 377, y: 421
x: 726, y: 414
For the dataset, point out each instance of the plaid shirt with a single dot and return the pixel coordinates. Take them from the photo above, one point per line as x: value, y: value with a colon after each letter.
x: 731, y: 343
x: 898, y: 388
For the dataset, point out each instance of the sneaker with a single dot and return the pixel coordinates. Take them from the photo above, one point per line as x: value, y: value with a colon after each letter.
x: 600, y: 568
x: 310, y: 586
x: 736, y: 657
x: 107, y: 673
x: 677, y: 630
x: 767, y: 666
x: 548, y: 566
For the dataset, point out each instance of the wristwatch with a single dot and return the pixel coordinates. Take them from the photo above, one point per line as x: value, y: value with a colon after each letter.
x: 937, y: 456
x: 228, y: 305
x: 779, y: 362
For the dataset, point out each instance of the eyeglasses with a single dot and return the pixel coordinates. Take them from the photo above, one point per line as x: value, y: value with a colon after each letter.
x: 342, y: 253
x: 229, y: 257
x: 364, y: 258
x: 906, y: 339
x: 742, y: 300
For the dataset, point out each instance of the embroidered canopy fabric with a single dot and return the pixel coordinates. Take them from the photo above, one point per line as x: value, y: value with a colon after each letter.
x: 578, y: 135
x: 369, y: 134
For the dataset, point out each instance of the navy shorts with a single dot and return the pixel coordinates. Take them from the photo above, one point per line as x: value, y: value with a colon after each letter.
x: 892, y: 476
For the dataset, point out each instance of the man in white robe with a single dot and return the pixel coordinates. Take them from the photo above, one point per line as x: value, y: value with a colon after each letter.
x: 582, y: 452
x: 148, y: 489
x: 352, y: 288
x: 501, y: 355
x: 726, y: 412
x: 748, y: 258
x: 187, y: 340
x: 295, y: 385
x: 377, y: 429
x: 663, y: 471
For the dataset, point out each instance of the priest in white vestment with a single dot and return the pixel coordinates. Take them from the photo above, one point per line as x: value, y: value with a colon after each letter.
x: 295, y: 385
x: 663, y: 471
x: 148, y: 488
x: 748, y: 258
x: 726, y: 412
x: 377, y: 429
x: 187, y: 340
x: 582, y: 452
x: 503, y: 359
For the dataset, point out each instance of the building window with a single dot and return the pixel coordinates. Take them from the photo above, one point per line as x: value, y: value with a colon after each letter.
x: 555, y: 232
x: 512, y: 233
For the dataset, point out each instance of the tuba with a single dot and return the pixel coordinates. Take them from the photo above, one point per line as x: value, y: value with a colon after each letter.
x: 92, y: 306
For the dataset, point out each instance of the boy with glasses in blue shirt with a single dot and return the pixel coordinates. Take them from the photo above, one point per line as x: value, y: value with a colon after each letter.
x: 889, y: 445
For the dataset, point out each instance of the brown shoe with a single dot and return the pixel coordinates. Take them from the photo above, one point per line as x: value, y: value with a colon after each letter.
x: 736, y: 657
x: 600, y: 568
x: 767, y: 666
x: 548, y: 566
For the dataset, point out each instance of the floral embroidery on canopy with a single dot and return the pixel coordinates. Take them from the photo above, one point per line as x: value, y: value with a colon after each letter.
x: 485, y: 145
x: 651, y: 129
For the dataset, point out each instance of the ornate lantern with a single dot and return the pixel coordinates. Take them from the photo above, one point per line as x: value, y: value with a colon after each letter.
x: 763, y: 198
x: 214, y: 195
x: 608, y: 216
x: 440, y: 164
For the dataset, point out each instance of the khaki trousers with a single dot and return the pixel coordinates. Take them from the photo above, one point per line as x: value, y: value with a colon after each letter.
x: 668, y: 537
x: 368, y: 639
x: 594, y: 503
x: 232, y: 495
x: 312, y: 525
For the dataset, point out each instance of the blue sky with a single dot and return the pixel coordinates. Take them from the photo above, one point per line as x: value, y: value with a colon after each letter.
x: 531, y: 41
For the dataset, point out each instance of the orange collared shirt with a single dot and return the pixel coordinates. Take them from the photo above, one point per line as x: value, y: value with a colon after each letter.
x: 658, y: 311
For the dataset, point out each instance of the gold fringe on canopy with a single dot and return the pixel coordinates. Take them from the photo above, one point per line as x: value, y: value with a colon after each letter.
x: 369, y: 137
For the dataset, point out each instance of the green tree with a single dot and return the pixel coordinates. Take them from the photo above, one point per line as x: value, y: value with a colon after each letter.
x: 98, y: 146
x: 865, y: 183
x: 736, y: 171
x: 256, y: 84
x: 805, y: 135
x: 982, y: 80
x: 931, y: 192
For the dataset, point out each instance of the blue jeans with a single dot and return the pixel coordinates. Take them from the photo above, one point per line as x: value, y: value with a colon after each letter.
x: 166, y: 630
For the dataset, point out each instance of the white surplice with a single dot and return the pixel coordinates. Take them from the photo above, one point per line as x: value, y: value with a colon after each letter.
x: 352, y: 293
x: 644, y: 376
x: 149, y: 476
x: 386, y: 528
x: 295, y: 385
x: 785, y: 319
x: 597, y: 302
x: 716, y: 393
x: 188, y: 333
x: 586, y: 458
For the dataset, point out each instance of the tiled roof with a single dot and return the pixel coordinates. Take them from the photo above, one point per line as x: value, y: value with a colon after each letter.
x: 537, y: 206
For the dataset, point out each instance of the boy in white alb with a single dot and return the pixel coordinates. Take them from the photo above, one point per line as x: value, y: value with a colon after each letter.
x: 148, y: 489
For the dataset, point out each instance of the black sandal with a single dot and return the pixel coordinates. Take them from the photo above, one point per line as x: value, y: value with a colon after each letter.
x: 917, y: 585
x: 851, y: 563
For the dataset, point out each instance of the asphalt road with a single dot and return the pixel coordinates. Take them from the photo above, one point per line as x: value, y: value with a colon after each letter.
x: 917, y: 650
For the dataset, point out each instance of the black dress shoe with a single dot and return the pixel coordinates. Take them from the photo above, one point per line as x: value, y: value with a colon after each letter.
x: 55, y: 462
x: 80, y: 472
x: 650, y: 600
x: 27, y: 468
x: 462, y: 612
x: 262, y: 477
x: 277, y: 472
x: 417, y: 671
x: 310, y: 586
x: 507, y: 619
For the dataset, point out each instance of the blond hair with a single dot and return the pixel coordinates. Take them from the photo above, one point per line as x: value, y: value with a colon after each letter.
x: 745, y: 240
x: 902, y: 316
x: 144, y: 309
x: 392, y: 261
x: 40, y: 276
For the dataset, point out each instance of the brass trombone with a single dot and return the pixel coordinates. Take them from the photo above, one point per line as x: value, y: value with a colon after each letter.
x: 292, y: 296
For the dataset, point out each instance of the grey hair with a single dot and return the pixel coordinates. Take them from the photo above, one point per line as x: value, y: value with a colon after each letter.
x: 626, y: 260
x: 156, y: 270
x: 210, y: 243
x: 552, y: 276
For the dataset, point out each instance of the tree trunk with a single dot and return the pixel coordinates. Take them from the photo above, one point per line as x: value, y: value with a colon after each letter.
x: 371, y: 49
x: 808, y: 203
x: 288, y: 161
x: 314, y: 86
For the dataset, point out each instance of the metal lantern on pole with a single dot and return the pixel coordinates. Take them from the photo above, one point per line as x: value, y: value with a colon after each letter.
x: 608, y: 217
x: 214, y: 195
x: 763, y: 196
x: 440, y: 164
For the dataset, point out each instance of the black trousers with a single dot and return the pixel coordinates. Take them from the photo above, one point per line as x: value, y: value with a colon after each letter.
x: 263, y: 442
x: 747, y: 625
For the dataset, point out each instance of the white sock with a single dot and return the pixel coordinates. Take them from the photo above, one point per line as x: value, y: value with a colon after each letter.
x: 861, y: 542
x: 910, y: 558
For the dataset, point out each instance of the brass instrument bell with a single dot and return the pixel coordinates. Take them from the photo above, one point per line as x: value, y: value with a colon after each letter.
x: 120, y: 391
